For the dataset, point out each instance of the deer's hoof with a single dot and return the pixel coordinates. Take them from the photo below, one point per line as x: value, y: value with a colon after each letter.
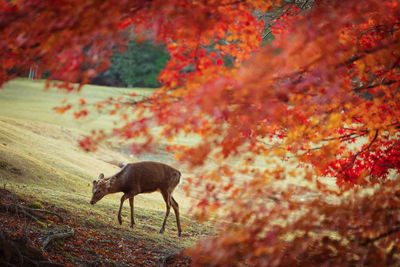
x: 120, y: 220
x: 161, y: 231
x: 133, y: 225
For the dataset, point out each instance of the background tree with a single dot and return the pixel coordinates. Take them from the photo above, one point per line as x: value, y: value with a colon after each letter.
x: 138, y: 66
x: 301, y: 98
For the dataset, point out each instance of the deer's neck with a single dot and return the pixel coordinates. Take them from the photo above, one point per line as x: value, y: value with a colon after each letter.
x: 112, y: 185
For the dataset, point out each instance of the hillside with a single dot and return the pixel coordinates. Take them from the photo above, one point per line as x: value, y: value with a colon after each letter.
x: 40, y: 161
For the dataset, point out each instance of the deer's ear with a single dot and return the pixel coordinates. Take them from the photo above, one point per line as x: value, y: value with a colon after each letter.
x: 101, y: 176
x: 94, y: 182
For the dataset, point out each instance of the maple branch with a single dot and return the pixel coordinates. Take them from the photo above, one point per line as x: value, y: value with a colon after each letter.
x: 365, y: 53
x: 361, y: 151
x: 297, y: 73
x: 265, y: 35
x: 350, y: 129
x: 360, y: 88
x: 346, y: 137
x: 396, y: 124
x: 374, y: 164
x: 383, y: 235
x: 304, y: 4
x: 372, y: 141
x: 352, y: 59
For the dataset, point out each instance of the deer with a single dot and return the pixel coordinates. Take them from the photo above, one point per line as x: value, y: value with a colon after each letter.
x: 137, y: 178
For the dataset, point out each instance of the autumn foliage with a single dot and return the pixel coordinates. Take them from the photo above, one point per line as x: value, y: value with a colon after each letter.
x: 321, y: 100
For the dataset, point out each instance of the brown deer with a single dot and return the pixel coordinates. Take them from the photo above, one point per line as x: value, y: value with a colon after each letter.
x: 137, y: 178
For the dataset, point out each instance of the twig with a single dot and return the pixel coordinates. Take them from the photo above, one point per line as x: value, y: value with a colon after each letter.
x: 29, y: 212
x: 265, y: 36
x: 346, y: 137
x: 304, y: 4
x: 371, y: 240
x: 48, y: 212
x: 363, y: 87
x: 361, y: 151
x: 13, y: 208
x: 352, y: 59
x: 57, y: 236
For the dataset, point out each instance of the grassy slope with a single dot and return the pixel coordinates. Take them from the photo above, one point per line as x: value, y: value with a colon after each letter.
x: 40, y: 159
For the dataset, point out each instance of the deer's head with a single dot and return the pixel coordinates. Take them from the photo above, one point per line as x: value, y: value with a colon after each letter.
x: 100, y: 189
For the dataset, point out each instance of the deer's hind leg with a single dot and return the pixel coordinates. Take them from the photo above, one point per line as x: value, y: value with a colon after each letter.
x: 175, y: 206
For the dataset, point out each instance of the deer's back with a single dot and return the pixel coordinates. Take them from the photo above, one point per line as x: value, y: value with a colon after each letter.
x: 148, y: 176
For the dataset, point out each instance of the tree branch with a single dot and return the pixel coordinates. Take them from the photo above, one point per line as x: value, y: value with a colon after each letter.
x: 360, y: 88
x: 28, y: 212
x: 352, y: 59
x: 304, y: 4
x: 57, y: 236
x: 383, y: 235
x: 346, y: 137
x: 361, y: 151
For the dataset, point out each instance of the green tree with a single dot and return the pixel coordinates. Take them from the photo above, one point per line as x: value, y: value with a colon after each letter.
x: 139, y: 65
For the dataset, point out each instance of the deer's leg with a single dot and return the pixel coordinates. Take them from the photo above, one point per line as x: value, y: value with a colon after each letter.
x: 175, y: 206
x: 125, y: 196
x: 132, y: 214
x: 167, y: 198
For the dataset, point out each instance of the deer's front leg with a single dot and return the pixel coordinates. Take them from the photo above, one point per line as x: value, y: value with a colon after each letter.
x: 125, y: 196
x: 167, y: 198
